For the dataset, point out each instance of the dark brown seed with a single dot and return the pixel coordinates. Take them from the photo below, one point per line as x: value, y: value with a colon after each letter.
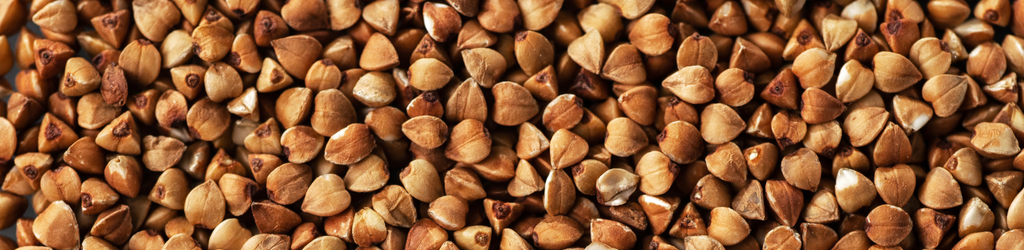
x: 785, y: 201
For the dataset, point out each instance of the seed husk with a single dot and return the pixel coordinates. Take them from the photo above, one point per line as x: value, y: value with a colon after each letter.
x: 306, y: 15
x: 975, y: 216
x: 113, y: 225
x: 293, y: 60
x: 994, y: 140
x: 789, y: 129
x: 51, y: 56
x: 80, y: 77
x: 124, y: 175
x: 615, y: 186
x: 270, y: 217
x: 171, y: 189
x: 748, y: 56
x: 1002, y: 184
x: 367, y: 175
x: 422, y: 181
x: 204, y: 205
x: 114, y: 87
x: 720, y: 123
x: 502, y: 214
x: 97, y: 196
x: 394, y: 205
x: 624, y: 137
x: 853, y: 190
x: 557, y: 232
x: 526, y: 180
x: 485, y: 65
x: 749, y: 201
x: 895, y: 184
x: 429, y: 74
x: 228, y: 234
x: 728, y: 19
x: 288, y: 183
x: 513, y: 104
x: 802, y: 169
x: 56, y: 226
x: 727, y: 163
x: 727, y: 226
x: 822, y: 208
x: 559, y: 193
x: 785, y: 201
x: 449, y: 212
x: 911, y: 114
x: 987, y: 62
x: 931, y: 225
x: 267, y: 241
x: 238, y: 192
x: 868, y: 121
x: 379, y: 54
x: 681, y: 142
x: 836, y: 31
x: 894, y: 72
x: 940, y: 190
x: 893, y: 147
x: 155, y: 18
x: 301, y: 144
x: 697, y: 50
x: 819, y: 106
x: 735, y: 86
x: 887, y: 225
x: 624, y: 65
x: 692, y: 84
x: 470, y: 142
x: 946, y: 93
x: 582, y: 51
x: 804, y: 37
x: 137, y: 62
x: 814, y: 67
x: 426, y: 233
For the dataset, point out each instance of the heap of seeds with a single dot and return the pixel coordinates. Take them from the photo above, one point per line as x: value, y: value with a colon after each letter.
x: 513, y: 124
